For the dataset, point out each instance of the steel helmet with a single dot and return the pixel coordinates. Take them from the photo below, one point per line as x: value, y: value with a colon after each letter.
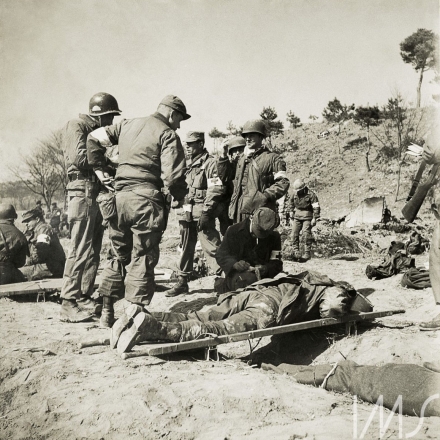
x: 254, y: 126
x: 103, y: 104
x: 7, y: 212
x: 298, y: 185
x: 236, y: 142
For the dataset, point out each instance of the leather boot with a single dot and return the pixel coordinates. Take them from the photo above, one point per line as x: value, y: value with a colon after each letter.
x: 180, y: 288
x: 70, y: 312
x: 146, y: 328
x: 107, y: 314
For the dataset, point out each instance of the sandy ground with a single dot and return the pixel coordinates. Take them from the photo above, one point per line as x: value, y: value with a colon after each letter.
x: 68, y: 393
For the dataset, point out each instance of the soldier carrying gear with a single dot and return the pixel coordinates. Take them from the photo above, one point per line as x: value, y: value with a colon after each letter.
x: 47, y: 257
x: 260, y: 178
x: 84, y: 216
x: 203, y: 204
x: 305, y: 210
x: 151, y: 163
x: 13, y: 247
x: 250, y: 251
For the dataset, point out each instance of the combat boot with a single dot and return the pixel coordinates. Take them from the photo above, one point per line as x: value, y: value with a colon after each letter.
x: 107, y: 318
x: 70, y: 312
x: 306, y: 256
x: 180, y: 288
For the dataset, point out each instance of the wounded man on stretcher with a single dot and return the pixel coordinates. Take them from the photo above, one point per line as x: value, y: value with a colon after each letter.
x: 286, y: 299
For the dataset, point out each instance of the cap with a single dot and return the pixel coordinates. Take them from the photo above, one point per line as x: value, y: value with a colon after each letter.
x: 264, y: 221
x: 236, y: 142
x: 298, y: 185
x: 195, y: 136
x: 175, y: 103
x: 38, y: 202
x: 30, y: 215
x: 54, y: 204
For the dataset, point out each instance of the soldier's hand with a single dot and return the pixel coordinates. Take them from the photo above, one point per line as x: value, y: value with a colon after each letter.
x: 105, y: 179
x: 241, y: 266
x: 204, y: 222
x: 176, y: 204
x: 431, y: 154
x: 224, y: 146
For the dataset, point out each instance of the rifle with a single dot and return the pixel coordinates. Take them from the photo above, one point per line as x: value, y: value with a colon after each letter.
x: 411, y: 209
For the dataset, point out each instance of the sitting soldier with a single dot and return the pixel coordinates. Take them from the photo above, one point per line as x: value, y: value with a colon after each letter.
x: 47, y: 257
x: 272, y: 302
x: 13, y: 247
x: 250, y: 251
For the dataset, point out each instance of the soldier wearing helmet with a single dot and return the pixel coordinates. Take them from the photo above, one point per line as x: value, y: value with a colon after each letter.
x: 151, y: 169
x: 83, y: 212
x: 47, y: 257
x: 13, y: 247
x: 260, y: 177
x: 305, y: 210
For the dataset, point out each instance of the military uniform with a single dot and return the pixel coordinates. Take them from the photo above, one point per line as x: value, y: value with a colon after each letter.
x: 261, y: 253
x: 13, y: 252
x: 205, y: 193
x: 304, y: 207
x: 55, y: 218
x: 47, y: 257
x: 260, y: 179
x: 85, y: 219
x: 151, y: 158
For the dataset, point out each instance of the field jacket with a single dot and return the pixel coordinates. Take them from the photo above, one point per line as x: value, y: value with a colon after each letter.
x: 305, y: 206
x: 13, y: 244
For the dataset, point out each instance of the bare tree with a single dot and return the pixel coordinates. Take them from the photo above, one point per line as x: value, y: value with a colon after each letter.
x: 43, y: 171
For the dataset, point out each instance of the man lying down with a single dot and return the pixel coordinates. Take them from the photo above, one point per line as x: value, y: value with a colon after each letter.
x: 283, y: 300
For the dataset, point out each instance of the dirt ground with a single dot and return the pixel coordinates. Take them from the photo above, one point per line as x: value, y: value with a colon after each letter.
x: 62, y: 392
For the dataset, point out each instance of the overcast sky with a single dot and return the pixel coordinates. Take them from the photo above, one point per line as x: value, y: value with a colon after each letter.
x: 225, y: 59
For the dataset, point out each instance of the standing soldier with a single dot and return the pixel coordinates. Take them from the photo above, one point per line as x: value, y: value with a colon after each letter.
x: 151, y: 163
x: 260, y: 178
x: 201, y: 208
x: 84, y: 216
x: 305, y: 210
x: 47, y: 257
x: 39, y: 208
x: 13, y: 247
x: 55, y: 218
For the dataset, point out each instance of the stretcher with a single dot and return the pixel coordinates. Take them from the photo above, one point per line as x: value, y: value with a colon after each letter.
x: 210, y: 342
x: 52, y: 285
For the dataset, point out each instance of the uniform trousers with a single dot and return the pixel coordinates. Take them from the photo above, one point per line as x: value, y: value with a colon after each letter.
x: 306, y: 227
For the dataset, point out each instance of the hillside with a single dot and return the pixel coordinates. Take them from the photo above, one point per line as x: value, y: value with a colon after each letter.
x: 339, y: 173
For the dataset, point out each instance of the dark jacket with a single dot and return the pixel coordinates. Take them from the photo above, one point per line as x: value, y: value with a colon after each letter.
x: 266, y: 182
x: 13, y: 244
x: 305, y: 205
x: 74, y: 135
x: 150, y: 152
x: 52, y: 253
x: 238, y: 244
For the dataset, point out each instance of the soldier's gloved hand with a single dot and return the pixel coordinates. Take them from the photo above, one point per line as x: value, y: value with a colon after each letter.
x: 313, y: 222
x: 241, y: 266
x: 204, y: 222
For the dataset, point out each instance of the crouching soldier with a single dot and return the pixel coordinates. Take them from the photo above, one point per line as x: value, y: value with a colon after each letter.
x: 250, y: 251
x: 47, y: 257
x: 305, y: 210
x: 13, y: 247
x: 287, y: 300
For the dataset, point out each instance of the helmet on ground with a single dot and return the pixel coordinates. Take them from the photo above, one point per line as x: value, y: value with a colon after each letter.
x: 103, y: 104
x: 7, y: 212
x: 254, y: 126
x: 298, y: 185
x: 236, y: 142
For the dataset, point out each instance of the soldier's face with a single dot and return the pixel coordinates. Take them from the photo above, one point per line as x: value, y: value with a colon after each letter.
x: 175, y: 119
x: 195, y: 148
x: 235, y: 154
x: 253, y: 140
x: 105, y: 120
x: 30, y: 225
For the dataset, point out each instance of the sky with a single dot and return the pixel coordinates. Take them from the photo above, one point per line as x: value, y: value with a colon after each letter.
x: 225, y: 59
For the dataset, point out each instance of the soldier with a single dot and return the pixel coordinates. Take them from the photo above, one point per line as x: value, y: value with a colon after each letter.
x: 39, y: 208
x: 55, y: 218
x: 151, y: 163
x: 250, y: 251
x: 13, y: 247
x: 305, y: 210
x: 83, y: 212
x: 260, y: 178
x: 205, y: 191
x: 47, y: 257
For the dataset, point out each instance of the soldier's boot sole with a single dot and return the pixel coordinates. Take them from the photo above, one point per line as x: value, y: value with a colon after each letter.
x: 122, y: 323
x: 131, y: 336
